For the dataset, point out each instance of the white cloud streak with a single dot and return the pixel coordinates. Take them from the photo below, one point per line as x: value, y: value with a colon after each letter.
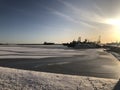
x: 68, y: 17
x: 84, y: 15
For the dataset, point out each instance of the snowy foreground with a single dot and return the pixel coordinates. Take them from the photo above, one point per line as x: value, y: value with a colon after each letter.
x: 14, y: 79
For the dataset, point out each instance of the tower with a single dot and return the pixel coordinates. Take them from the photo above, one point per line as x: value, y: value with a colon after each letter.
x: 79, y: 39
x: 99, y: 40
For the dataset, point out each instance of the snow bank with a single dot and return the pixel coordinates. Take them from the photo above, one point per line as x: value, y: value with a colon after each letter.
x: 14, y: 79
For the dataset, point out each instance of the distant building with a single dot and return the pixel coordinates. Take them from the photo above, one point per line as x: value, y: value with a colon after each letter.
x: 48, y: 43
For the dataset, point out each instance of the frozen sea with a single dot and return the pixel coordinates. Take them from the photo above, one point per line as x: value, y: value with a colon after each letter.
x: 60, y: 59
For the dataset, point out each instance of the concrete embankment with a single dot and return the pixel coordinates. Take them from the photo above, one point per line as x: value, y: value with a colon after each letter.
x: 114, y: 50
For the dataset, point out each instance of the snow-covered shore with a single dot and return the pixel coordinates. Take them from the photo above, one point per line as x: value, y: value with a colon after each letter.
x: 14, y: 79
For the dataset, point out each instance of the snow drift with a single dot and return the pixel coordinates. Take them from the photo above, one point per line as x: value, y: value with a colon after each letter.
x: 14, y: 79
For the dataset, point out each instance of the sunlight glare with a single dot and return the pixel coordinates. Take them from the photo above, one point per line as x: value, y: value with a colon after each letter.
x: 116, y: 24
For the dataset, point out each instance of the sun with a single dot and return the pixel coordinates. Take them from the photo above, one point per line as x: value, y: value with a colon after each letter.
x: 115, y: 23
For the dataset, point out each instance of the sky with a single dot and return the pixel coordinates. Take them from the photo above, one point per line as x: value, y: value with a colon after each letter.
x: 36, y: 21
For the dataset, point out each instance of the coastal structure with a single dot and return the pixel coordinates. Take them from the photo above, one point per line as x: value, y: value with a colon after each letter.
x: 83, y: 44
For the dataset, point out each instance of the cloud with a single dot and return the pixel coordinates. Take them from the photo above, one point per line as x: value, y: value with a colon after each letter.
x: 88, y: 16
x: 68, y: 17
x: 65, y: 16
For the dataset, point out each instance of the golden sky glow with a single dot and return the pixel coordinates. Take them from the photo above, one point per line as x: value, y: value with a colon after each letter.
x: 115, y: 22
